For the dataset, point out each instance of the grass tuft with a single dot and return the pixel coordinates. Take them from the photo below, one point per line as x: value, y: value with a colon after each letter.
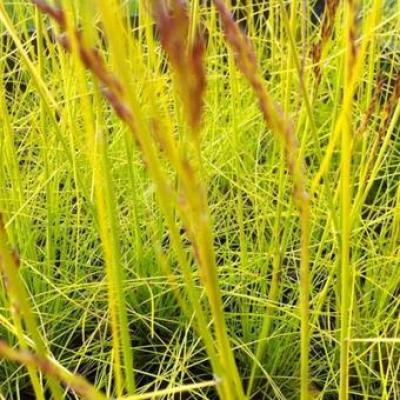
x: 199, y: 199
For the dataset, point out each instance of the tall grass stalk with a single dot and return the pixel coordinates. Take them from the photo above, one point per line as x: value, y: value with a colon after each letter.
x: 279, y: 123
x: 110, y: 235
x: 21, y: 310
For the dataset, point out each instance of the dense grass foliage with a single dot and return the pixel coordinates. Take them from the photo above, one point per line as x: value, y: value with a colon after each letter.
x: 198, y: 208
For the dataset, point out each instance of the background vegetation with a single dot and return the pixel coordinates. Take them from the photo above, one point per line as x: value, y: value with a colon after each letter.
x: 164, y: 238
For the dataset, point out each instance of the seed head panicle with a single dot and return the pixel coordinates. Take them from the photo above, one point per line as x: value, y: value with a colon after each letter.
x: 185, y: 54
x: 52, y: 11
x: 274, y: 117
x: 326, y: 32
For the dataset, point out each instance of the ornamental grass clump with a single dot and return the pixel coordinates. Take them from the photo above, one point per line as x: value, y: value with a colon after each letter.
x: 200, y: 199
